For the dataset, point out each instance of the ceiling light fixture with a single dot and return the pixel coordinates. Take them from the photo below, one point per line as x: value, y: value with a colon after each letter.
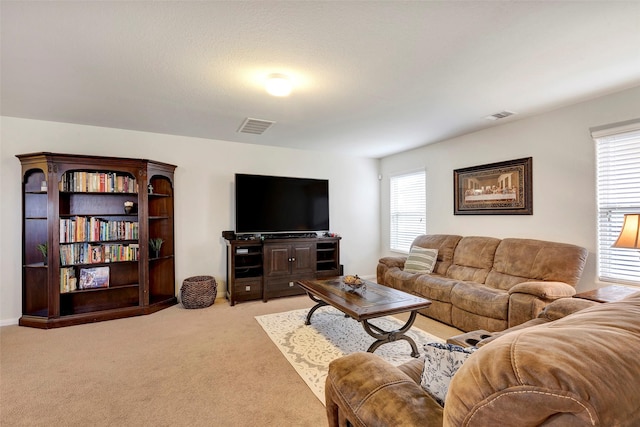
x: 278, y: 85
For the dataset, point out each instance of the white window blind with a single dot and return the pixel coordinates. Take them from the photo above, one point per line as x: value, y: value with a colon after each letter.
x: 618, y: 182
x: 408, y: 209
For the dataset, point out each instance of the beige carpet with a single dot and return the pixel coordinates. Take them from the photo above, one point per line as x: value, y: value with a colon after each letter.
x: 310, y: 348
x: 209, y: 367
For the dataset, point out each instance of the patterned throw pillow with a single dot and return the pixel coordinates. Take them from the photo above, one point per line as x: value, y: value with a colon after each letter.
x: 421, y: 260
x: 441, y: 362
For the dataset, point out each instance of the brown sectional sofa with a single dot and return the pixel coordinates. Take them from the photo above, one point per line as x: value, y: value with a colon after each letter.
x: 578, y: 370
x: 488, y: 283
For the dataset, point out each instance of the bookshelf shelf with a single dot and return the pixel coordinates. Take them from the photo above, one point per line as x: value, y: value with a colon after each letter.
x: 83, y: 210
x: 109, y: 289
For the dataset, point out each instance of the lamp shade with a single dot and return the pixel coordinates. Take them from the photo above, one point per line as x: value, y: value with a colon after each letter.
x: 630, y: 234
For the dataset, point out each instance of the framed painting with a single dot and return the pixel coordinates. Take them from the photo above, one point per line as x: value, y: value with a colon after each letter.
x: 502, y: 188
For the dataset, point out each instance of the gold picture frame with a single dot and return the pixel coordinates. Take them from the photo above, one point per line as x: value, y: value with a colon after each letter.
x: 502, y: 188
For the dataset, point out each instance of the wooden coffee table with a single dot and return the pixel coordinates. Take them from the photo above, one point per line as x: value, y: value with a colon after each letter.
x: 370, y: 301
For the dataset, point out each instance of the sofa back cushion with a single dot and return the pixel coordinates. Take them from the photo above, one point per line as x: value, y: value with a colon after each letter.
x: 523, y: 260
x: 473, y: 258
x: 444, y: 243
x: 578, y: 370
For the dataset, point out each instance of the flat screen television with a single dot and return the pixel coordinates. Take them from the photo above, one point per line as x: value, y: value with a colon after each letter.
x: 276, y: 204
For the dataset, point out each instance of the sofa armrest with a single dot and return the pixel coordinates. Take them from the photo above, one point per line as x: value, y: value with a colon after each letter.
x: 393, y: 261
x: 387, y: 263
x: 528, y: 299
x: 544, y: 290
x: 563, y: 307
x: 555, y: 310
x: 368, y: 391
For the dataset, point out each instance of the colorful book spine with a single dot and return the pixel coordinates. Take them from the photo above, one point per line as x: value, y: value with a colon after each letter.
x: 98, y: 182
x: 86, y: 253
x: 92, y: 229
x: 68, y: 281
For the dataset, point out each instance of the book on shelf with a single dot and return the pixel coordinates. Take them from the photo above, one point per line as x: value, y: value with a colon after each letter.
x: 92, y: 229
x: 94, y: 277
x: 68, y: 281
x: 86, y: 253
x: 97, y: 182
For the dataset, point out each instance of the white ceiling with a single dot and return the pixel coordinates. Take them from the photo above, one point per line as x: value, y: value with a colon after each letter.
x: 371, y: 77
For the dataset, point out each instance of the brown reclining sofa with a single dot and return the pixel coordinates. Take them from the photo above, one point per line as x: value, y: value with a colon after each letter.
x: 488, y: 283
x: 577, y: 370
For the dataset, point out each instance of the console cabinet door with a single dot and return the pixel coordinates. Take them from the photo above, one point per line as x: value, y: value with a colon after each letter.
x: 303, y: 258
x: 277, y: 260
x: 285, y: 259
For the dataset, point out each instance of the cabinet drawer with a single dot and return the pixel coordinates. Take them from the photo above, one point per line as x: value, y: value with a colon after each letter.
x: 247, y: 290
x: 283, y: 288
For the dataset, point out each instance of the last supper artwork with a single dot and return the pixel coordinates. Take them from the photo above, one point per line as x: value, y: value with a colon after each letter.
x: 498, y: 188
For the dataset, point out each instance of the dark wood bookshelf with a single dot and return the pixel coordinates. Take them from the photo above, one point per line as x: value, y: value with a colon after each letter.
x: 136, y: 286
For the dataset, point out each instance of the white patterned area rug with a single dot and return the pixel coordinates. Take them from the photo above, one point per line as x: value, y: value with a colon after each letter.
x: 331, y: 335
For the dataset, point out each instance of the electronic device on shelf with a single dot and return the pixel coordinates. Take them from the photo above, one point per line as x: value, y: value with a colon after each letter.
x: 273, y: 205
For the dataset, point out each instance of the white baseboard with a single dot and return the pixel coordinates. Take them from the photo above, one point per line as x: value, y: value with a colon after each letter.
x: 8, y: 322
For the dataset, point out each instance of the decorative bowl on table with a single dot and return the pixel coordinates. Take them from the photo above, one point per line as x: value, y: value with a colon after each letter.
x: 353, y: 282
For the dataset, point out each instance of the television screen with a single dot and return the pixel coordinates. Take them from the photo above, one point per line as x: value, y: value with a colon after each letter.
x: 276, y: 204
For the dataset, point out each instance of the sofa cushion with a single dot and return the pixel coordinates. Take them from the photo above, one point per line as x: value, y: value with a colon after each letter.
x: 473, y: 258
x: 480, y: 299
x: 525, y: 260
x: 400, y: 279
x: 434, y: 287
x: 444, y: 243
x: 441, y: 362
x: 421, y: 260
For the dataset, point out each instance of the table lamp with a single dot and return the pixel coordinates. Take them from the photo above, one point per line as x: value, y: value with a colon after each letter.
x: 630, y: 234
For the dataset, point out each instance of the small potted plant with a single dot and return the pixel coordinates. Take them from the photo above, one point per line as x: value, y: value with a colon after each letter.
x: 155, y: 245
x: 43, y: 249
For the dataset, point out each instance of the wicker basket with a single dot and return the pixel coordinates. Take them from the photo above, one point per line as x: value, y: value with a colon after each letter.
x: 198, y: 291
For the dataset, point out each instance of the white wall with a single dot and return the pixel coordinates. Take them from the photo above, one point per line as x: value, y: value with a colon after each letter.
x: 564, y: 197
x: 203, y: 190
x: 564, y: 201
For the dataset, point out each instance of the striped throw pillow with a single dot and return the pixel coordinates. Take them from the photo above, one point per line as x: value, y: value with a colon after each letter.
x: 421, y: 260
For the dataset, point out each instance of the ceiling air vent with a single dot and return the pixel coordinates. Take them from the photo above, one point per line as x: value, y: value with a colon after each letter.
x: 255, y: 126
x: 500, y: 115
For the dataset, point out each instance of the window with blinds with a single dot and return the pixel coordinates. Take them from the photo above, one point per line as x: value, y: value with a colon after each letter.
x: 408, y: 209
x: 618, y: 189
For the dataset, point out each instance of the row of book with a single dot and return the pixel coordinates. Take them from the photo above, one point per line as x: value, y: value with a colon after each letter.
x: 98, y: 182
x: 86, y: 253
x: 92, y: 229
